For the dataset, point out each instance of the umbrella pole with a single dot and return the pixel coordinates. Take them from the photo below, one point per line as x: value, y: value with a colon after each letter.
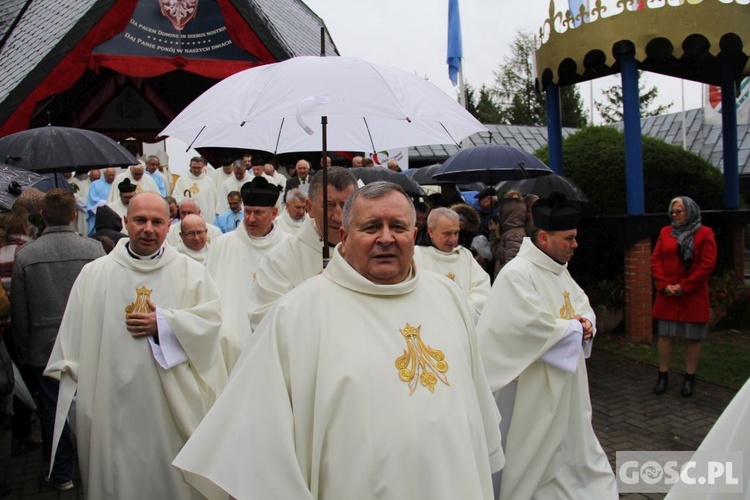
x: 324, y: 164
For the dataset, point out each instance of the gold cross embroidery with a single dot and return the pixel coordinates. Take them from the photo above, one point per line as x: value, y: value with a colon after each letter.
x: 194, y: 189
x: 420, y: 363
x: 140, y: 304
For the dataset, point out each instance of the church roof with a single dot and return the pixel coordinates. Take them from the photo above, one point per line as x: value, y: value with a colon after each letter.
x: 702, y: 139
x: 38, y: 40
x: 528, y: 138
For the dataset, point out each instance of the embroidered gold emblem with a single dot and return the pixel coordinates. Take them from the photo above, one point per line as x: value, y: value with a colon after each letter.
x: 255, y: 276
x: 420, y: 362
x: 567, y: 311
x: 140, y: 304
x: 194, y: 189
x: 451, y: 276
x: 138, y: 188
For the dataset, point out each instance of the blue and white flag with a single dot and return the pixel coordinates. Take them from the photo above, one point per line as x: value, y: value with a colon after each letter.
x: 455, y: 51
x: 575, y: 9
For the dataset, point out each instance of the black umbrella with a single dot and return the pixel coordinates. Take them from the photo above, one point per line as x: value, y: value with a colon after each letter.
x: 423, y: 175
x: 491, y: 164
x: 373, y: 174
x: 544, y: 186
x: 62, y: 149
x: 16, y: 180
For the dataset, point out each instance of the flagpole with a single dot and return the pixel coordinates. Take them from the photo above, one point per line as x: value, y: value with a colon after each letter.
x: 684, y: 125
x: 461, y: 87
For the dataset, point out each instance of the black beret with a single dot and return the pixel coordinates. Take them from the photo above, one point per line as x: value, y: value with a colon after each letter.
x: 126, y: 186
x: 259, y: 193
x: 555, y: 213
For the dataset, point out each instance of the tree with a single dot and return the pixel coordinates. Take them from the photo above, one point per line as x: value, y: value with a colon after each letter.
x: 482, y: 107
x: 611, y: 109
x: 515, y: 90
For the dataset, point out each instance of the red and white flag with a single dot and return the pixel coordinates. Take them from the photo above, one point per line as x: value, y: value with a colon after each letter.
x: 712, y: 108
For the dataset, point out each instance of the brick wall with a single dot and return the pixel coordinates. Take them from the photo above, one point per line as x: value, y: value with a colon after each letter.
x: 638, y: 290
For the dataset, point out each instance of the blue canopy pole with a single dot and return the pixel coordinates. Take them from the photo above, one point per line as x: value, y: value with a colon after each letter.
x: 632, y: 125
x: 554, y: 128
x: 729, y: 138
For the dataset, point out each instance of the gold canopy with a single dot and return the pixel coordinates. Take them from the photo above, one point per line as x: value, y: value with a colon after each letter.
x: 688, y: 39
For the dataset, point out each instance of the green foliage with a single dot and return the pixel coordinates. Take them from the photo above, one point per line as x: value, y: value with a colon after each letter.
x: 515, y: 91
x: 728, y: 296
x: 611, y: 107
x: 595, y: 160
x: 608, y: 292
x: 482, y: 107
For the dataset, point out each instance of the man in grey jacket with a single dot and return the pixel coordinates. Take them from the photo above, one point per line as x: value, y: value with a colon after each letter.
x: 43, y: 274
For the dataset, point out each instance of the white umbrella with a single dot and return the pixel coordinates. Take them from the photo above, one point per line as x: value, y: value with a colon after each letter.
x: 278, y: 108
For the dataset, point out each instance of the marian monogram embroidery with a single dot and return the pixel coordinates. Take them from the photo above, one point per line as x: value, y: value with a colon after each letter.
x: 567, y: 311
x: 451, y: 276
x: 140, y: 304
x: 138, y: 188
x: 420, y: 363
x: 194, y: 189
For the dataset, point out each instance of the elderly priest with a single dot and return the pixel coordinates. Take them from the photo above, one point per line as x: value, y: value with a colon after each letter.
x: 357, y: 385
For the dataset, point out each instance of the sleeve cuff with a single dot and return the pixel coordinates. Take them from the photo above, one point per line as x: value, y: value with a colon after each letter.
x: 168, y: 352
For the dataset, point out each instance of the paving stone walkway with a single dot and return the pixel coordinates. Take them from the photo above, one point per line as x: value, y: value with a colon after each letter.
x: 627, y: 416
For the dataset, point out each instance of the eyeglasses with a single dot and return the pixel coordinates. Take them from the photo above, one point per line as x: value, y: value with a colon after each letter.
x: 676, y: 212
x: 193, y: 234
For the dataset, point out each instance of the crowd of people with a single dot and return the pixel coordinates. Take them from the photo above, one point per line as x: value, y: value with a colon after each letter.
x: 201, y: 348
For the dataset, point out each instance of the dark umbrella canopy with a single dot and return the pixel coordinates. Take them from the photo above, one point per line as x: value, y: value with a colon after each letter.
x: 491, y: 164
x: 374, y: 174
x: 60, y: 149
x: 13, y: 182
x: 423, y: 175
x: 544, y: 186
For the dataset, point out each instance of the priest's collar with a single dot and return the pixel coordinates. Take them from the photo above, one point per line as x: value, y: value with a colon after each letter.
x: 153, y: 256
x: 268, y: 235
x: 343, y: 274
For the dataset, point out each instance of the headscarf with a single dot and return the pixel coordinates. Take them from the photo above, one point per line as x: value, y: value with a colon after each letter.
x: 685, y: 232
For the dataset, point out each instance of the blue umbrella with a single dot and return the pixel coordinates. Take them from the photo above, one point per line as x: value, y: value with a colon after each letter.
x: 490, y: 164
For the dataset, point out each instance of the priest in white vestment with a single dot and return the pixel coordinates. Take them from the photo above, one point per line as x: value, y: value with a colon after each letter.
x: 189, y: 206
x: 221, y: 175
x: 240, y: 177
x: 199, y: 186
x: 538, y: 327
x: 234, y: 258
x: 301, y: 256
x: 294, y: 213
x: 139, y: 349
x: 445, y: 256
x: 120, y: 205
x: 363, y: 382
x: 194, y: 238
x: 80, y: 184
x: 136, y: 174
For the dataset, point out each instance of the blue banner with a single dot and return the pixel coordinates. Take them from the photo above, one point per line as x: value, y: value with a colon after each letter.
x: 455, y: 51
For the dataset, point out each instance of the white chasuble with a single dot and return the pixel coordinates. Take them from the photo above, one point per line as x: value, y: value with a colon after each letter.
x: 461, y: 267
x: 145, y: 184
x: 132, y: 416
x: 354, y: 390
x: 285, y: 222
x: 232, y: 262
x: 296, y: 259
x: 551, y: 448
x: 202, y: 189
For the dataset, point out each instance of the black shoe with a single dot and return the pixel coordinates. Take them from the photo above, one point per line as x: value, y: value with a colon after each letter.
x: 59, y: 486
x: 688, y: 384
x: 661, y: 383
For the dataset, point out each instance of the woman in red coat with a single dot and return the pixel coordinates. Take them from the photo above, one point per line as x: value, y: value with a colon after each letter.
x: 684, y: 257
